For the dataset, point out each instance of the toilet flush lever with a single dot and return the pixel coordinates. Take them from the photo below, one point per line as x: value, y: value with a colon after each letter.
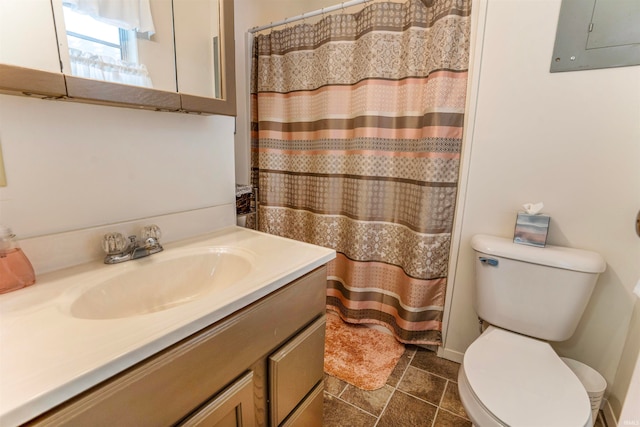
x: 489, y: 261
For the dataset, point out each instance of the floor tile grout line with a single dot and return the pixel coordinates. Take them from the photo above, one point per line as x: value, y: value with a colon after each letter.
x: 419, y: 398
x: 384, y: 408
x: 435, y: 416
x: 454, y: 414
x: 404, y: 375
x: 395, y: 388
x: 446, y: 386
x: 357, y: 407
x: 439, y: 406
x: 444, y: 391
x: 434, y: 374
x: 346, y: 386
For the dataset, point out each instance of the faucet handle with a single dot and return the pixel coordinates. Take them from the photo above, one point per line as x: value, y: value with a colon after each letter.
x: 151, y: 231
x: 113, y: 243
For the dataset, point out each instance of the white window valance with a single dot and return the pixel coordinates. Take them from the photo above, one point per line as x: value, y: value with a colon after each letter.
x: 126, y: 14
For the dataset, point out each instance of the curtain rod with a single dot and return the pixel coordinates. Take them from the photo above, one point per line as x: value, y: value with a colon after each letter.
x: 322, y: 11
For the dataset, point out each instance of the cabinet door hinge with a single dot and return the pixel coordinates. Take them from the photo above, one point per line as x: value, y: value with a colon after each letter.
x: 590, y: 26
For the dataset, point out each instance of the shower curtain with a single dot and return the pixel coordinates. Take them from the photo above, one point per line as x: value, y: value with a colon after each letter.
x: 356, y: 137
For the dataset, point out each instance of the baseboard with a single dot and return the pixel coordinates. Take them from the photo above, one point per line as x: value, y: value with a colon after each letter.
x: 433, y: 348
x: 607, y: 412
x: 454, y: 356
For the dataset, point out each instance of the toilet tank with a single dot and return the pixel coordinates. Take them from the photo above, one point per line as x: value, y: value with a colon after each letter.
x: 539, y: 292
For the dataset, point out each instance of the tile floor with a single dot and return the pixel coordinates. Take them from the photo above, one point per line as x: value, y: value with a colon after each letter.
x: 421, y: 391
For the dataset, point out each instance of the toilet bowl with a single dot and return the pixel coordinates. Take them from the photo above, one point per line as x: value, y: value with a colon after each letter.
x: 510, y: 375
x: 507, y: 379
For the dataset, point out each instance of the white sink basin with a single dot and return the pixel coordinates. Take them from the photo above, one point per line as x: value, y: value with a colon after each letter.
x: 160, y: 282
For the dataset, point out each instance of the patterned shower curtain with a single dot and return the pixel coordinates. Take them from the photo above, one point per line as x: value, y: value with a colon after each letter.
x: 356, y: 138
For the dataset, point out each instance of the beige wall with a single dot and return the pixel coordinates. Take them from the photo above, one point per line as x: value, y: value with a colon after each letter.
x: 625, y: 390
x: 568, y: 139
x: 72, y: 166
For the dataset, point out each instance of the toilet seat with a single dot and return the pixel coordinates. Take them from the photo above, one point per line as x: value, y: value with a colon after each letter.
x: 521, y: 381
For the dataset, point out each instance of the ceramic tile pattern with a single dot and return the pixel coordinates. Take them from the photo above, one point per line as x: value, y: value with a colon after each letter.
x: 421, y: 391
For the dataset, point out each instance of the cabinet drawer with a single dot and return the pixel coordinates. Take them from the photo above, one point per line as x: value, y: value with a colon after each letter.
x: 309, y: 413
x: 295, y: 369
x: 231, y: 408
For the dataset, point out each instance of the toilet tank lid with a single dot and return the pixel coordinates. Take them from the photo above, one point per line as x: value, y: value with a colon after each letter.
x: 552, y: 256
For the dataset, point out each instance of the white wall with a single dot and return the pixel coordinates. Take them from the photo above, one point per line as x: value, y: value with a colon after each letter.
x: 72, y: 166
x: 567, y: 139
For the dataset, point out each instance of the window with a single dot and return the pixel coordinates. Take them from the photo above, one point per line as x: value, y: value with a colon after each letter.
x: 99, y: 49
x: 89, y: 35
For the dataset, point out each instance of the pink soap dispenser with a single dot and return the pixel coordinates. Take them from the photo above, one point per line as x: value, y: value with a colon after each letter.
x: 16, y: 271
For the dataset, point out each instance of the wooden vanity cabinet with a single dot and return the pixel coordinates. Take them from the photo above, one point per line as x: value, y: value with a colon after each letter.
x: 259, y: 366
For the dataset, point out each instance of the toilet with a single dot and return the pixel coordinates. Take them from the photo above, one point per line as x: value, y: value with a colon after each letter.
x: 510, y: 375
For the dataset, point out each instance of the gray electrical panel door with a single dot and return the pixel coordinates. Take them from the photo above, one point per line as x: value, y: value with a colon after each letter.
x: 597, y: 34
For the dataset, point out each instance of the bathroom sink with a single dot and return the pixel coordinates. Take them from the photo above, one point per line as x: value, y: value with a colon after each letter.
x: 160, y: 282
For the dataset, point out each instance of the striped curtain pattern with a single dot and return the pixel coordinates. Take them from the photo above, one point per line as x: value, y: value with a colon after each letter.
x: 356, y: 137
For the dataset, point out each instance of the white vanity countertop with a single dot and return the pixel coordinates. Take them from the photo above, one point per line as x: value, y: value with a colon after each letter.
x: 48, y: 356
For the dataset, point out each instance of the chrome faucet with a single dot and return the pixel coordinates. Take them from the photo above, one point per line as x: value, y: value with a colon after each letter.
x: 119, y: 249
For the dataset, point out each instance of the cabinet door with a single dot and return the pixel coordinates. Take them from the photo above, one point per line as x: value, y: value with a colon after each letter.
x: 295, y: 369
x: 29, y: 63
x: 231, y: 408
x: 28, y: 35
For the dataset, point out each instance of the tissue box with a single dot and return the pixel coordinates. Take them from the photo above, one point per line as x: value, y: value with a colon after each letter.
x: 531, y: 229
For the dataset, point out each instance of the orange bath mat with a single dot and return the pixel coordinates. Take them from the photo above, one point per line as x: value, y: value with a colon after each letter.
x: 359, y: 355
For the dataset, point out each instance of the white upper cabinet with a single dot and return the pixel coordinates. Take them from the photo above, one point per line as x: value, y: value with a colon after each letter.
x: 121, y: 53
x: 130, y: 42
x: 27, y: 35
